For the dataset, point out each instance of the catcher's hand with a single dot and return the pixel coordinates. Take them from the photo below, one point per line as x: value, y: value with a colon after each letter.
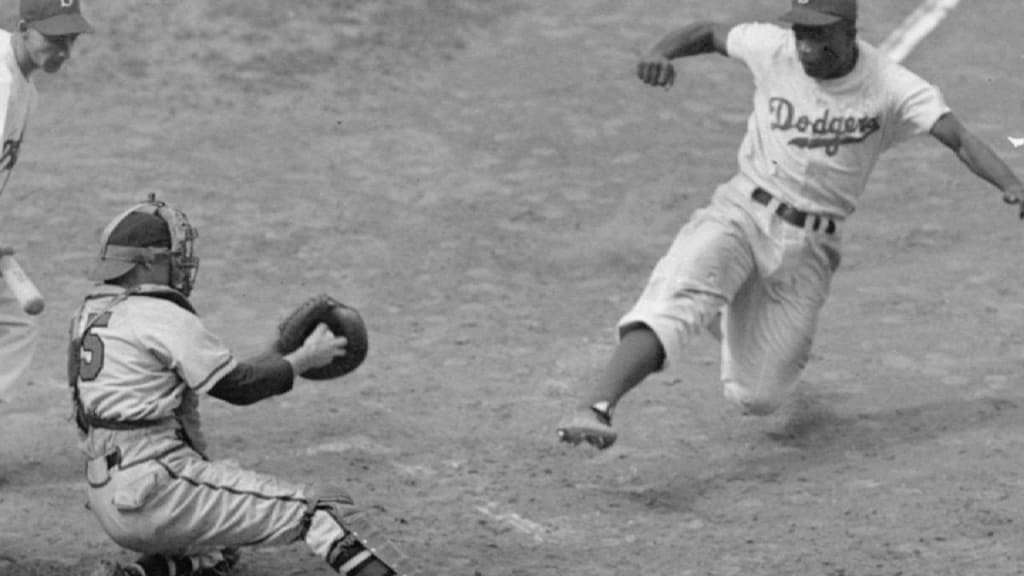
x: 320, y: 349
x: 328, y: 337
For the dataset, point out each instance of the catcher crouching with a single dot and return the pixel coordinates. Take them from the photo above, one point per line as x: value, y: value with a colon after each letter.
x: 139, y: 359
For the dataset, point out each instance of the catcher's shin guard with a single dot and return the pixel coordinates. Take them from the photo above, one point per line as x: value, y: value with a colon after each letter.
x: 351, y: 544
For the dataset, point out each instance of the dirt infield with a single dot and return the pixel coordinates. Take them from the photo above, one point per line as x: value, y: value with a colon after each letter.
x: 489, y: 185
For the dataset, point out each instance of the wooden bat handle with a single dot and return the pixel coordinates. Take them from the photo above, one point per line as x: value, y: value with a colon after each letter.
x: 21, y: 286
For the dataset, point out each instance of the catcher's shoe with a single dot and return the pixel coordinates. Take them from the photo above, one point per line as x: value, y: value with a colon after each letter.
x: 592, y: 425
x: 229, y: 558
x: 225, y: 566
x: 108, y: 568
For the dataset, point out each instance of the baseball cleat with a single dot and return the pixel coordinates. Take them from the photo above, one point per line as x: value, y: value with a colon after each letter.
x: 592, y: 425
x: 224, y: 562
x: 108, y: 568
x: 230, y: 559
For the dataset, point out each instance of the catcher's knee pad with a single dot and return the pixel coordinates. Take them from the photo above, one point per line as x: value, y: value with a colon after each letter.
x: 341, y: 534
x: 322, y: 496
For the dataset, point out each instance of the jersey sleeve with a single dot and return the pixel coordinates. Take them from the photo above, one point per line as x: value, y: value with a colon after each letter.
x: 916, y: 105
x: 185, y: 345
x: 756, y: 44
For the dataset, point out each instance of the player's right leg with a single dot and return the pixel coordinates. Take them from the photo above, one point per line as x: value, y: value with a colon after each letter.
x: 708, y: 262
x: 18, y: 337
x: 638, y: 354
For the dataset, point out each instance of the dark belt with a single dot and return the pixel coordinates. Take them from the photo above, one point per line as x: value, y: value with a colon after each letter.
x: 795, y: 216
x: 94, y: 421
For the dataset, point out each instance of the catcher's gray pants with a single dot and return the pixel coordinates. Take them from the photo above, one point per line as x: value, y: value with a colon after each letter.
x: 771, y: 278
x: 180, y: 504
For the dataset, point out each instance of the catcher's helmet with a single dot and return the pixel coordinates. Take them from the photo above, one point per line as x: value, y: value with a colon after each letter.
x: 141, y: 233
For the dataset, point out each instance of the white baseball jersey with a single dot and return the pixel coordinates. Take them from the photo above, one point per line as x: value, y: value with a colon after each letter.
x: 18, y: 334
x: 17, y: 100
x: 153, y: 490
x: 813, y: 143
x: 144, y: 359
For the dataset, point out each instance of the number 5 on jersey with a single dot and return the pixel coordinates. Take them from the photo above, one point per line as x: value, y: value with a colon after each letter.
x: 90, y: 350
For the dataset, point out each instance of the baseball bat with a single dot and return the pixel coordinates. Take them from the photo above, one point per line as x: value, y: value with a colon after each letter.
x: 21, y: 286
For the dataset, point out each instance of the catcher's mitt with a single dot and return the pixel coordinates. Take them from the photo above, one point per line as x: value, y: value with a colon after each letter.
x: 341, y: 319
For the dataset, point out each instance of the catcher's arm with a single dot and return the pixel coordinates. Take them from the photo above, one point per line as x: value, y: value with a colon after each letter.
x: 254, y: 379
x: 271, y: 374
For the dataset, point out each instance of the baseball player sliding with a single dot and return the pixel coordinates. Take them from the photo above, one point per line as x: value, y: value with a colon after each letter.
x: 139, y: 360
x: 763, y: 252
x: 43, y: 40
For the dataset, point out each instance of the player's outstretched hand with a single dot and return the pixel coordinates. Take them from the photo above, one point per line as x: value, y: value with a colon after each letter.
x: 656, y: 71
x: 1015, y: 195
x: 320, y: 348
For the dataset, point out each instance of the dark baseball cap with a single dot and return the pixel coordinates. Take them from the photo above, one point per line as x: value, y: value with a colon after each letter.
x: 821, y: 12
x: 54, y: 17
x: 132, y: 238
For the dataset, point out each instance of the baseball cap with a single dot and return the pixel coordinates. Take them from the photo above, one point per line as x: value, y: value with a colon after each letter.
x: 821, y: 12
x: 131, y: 238
x: 54, y: 17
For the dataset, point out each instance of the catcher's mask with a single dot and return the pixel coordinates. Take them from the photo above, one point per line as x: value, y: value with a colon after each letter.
x: 142, y: 233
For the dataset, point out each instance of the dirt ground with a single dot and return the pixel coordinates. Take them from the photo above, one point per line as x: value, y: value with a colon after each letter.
x: 487, y: 182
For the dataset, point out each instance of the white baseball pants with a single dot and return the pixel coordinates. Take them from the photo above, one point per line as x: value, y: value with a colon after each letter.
x: 18, y: 338
x: 768, y: 277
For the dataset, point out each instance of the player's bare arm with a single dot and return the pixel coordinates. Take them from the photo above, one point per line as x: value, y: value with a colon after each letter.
x: 979, y: 158
x: 655, y: 67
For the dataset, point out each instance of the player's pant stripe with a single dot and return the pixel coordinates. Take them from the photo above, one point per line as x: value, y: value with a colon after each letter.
x: 200, y: 484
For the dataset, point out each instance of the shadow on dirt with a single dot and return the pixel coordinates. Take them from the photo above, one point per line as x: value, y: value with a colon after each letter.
x: 817, y: 437
x: 814, y: 437
x: 819, y: 432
